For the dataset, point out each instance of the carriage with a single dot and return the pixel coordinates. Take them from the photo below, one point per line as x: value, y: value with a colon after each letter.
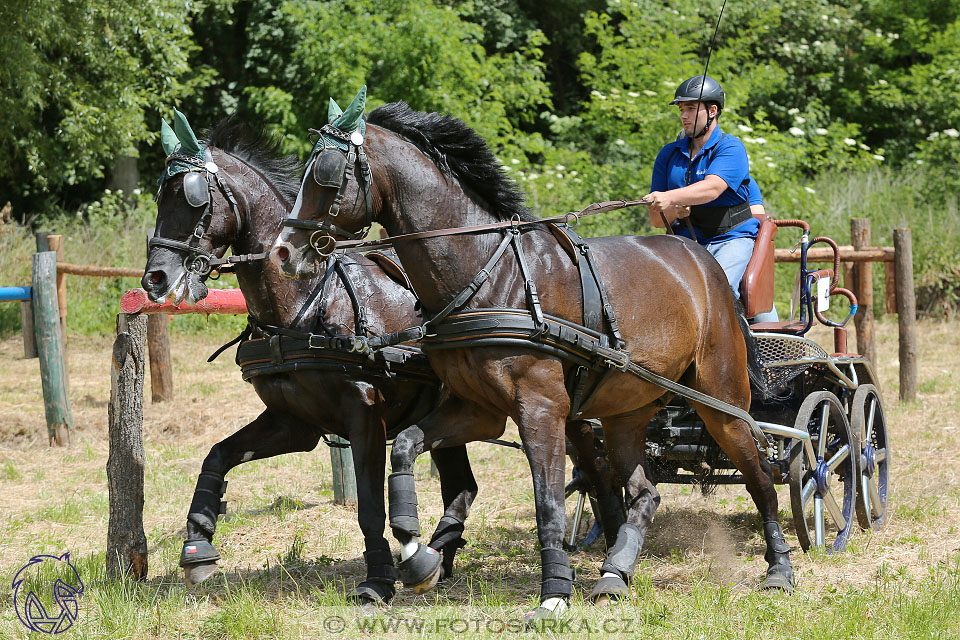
x: 825, y: 433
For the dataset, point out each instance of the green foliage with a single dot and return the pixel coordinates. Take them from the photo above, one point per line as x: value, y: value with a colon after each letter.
x: 78, y: 83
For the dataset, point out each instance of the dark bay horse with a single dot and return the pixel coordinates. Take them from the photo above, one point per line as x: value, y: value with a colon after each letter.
x: 675, y: 311
x: 303, y: 404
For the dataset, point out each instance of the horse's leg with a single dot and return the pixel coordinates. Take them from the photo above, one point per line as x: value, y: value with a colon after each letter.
x: 626, y: 440
x: 269, y: 435
x: 541, y: 421
x: 459, y: 489
x: 734, y: 437
x: 593, y: 463
x: 368, y: 442
x: 453, y: 423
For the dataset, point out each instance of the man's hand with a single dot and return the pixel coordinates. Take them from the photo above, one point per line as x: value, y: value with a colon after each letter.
x: 662, y: 206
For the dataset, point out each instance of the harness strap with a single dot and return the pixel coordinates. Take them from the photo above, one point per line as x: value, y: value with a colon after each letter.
x: 359, y: 315
x: 471, y: 289
x: 533, y: 300
x: 608, y: 313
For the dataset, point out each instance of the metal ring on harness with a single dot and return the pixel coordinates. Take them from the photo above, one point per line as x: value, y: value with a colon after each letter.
x: 515, y: 221
x: 199, y: 264
x: 576, y: 220
x: 329, y: 243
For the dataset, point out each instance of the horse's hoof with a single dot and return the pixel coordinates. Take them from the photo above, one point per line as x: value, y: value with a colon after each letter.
x: 779, y: 578
x: 609, y: 589
x: 370, y: 595
x: 421, y: 571
x: 542, y: 617
x: 194, y: 574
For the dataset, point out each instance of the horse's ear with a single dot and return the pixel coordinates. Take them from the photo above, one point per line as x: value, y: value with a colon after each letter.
x: 333, y: 111
x: 351, y: 117
x: 188, y: 139
x: 168, y: 138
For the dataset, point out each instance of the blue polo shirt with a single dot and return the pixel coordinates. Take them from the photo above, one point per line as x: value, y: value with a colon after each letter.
x: 722, y: 155
x: 755, y: 195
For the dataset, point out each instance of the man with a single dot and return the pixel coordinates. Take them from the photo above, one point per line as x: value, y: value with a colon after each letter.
x: 705, y: 175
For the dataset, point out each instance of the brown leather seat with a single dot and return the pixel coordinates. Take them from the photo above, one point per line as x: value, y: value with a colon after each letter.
x: 756, y: 288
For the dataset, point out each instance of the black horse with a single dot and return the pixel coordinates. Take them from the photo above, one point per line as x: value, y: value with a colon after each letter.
x: 670, y: 314
x: 234, y: 190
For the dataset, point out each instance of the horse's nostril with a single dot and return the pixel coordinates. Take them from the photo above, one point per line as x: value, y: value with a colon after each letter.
x: 156, y: 277
x: 283, y: 253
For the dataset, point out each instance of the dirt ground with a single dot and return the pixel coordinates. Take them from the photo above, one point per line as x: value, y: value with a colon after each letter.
x: 55, y: 499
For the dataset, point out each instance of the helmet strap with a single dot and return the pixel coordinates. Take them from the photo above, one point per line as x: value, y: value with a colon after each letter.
x: 707, y: 126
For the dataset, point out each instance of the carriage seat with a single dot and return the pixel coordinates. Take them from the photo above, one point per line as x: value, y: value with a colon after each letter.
x: 756, y: 287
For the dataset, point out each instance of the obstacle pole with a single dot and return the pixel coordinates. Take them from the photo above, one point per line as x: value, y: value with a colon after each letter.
x: 126, y: 541
x: 906, y: 314
x: 344, y: 475
x: 49, y: 343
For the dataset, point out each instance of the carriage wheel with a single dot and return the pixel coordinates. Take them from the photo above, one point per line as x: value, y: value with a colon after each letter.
x: 870, y: 426
x: 823, y: 474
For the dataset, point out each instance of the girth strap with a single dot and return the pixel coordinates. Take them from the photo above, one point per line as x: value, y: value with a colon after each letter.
x: 608, y: 313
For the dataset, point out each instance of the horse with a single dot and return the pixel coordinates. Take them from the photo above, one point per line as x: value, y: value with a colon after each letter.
x: 234, y: 190
x: 670, y: 311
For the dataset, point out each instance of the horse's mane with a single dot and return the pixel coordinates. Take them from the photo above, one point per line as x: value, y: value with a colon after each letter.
x: 261, y: 150
x: 459, y: 152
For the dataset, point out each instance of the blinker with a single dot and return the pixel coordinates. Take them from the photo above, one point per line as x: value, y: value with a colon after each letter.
x: 329, y: 168
x: 195, y: 190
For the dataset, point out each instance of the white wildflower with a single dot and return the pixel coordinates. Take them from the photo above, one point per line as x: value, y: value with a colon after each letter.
x: 614, y: 90
x: 760, y: 140
x: 549, y: 185
x: 560, y: 167
x: 772, y: 165
x: 744, y: 127
x: 107, y: 192
x: 918, y: 122
x: 647, y: 92
x: 533, y: 176
x: 577, y: 180
x: 619, y: 142
x: 919, y: 161
x: 820, y: 131
x: 882, y: 82
x: 809, y: 190
x: 514, y: 161
x: 633, y: 94
x: 849, y: 142
x: 800, y: 119
x: 137, y: 191
x: 877, y: 156
x: 934, y: 135
x: 817, y: 43
x: 953, y: 133
x: 795, y: 131
x: 864, y: 147
x: 597, y: 94
x: 794, y: 111
x: 824, y: 17
x: 574, y: 173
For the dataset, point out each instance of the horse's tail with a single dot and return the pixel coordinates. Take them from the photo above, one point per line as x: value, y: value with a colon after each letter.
x: 758, y: 380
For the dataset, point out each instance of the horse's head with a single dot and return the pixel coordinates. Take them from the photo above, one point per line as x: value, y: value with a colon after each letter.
x: 336, y: 198
x: 198, y: 216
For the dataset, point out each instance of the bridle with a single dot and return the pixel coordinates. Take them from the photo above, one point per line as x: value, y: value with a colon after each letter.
x: 331, y: 165
x: 201, y: 179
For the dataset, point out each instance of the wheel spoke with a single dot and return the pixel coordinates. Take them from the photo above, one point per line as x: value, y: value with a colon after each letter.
x: 818, y: 533
x: 876, y: 504
x: 870, y: 415
x: 822, y: 440
x: 880, y: 455
x: 808, y: 488
x: 840, y: 456
x: 865, y: 493
x: 835, y: 511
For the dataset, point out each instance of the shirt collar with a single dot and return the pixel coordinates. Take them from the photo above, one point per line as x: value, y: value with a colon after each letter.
x: 684, y: 142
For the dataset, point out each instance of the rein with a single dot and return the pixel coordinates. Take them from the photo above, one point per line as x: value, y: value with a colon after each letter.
x: 571, y: 219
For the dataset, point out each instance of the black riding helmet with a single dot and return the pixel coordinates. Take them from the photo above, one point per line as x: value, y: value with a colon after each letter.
x: 700, y: 89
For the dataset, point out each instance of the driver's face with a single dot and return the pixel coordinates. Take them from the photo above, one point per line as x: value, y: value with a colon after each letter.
x: 693, y: 116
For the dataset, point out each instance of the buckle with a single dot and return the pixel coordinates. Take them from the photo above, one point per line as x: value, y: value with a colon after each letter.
x: 617, y: 360
x: 359, y: 344
x: 312, y: 345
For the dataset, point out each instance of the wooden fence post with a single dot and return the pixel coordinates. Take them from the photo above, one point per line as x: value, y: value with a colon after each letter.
x: 46, y: 321
x: 906, y: 313
x: 56, y: 244
x: 161, y: 370
x: 126, y: 541
x: 344, y: 476
x: 863, y: 276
